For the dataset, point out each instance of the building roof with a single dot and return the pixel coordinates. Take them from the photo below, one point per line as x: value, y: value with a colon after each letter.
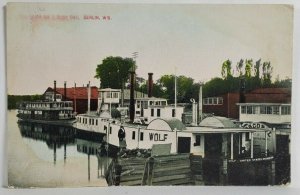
x: 271, y: 91
x: 166, y: 124
x: 81, y: 92
x: 217, y: 122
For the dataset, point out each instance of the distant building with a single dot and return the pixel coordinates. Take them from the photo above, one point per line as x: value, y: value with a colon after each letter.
x: 78, y: 95
x: 226, y: 105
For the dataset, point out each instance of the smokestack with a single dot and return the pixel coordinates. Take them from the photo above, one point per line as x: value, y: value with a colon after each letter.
x: 89, y: 97
x: 54, y: 90
x: 242, y: 90
x: 65, y: 90
x: 150, y: 84
x: 200, y: 105
x: 194, y: 112
x: 131, y: 106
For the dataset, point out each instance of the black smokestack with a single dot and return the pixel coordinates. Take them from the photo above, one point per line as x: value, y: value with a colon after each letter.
x: 65, y: 91
x: 54, y: 90
x: 131, y: 106
x: 242, y: 90
x: 150, y: 84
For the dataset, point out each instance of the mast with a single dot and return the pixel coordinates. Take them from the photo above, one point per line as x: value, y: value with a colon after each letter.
x: 175, y: 91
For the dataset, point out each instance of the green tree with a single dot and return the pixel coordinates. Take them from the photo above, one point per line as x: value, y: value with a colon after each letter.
x: 114, y: 71
x: 248, y: 68
x: 226, y: 69
x: 239, y: 67
x: 267, y: 74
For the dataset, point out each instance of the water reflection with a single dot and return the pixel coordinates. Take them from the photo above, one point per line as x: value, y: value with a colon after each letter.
x: 66, y: 138
x: 54, y: 136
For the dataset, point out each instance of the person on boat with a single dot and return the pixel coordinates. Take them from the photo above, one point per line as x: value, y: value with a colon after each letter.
x: 122, y: 135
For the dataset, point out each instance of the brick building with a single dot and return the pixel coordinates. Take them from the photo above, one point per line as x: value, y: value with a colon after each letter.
x: 80, y: 94
x: 226, y: 105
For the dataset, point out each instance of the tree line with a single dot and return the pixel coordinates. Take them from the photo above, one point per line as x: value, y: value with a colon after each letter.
x: 114, y: 72
x: 13, y: 100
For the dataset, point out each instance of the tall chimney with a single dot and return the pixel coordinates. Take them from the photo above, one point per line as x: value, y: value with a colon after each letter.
x: 89, y: 97
x: 242, y: 90
x: 65, y: 90
x: 150, y: 84
x: 200, y: 104
x: 54, y: 90
x: 131, y: 106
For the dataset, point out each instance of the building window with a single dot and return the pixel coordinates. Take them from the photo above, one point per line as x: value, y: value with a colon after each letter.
x: 96, y: 121
x: 286, y: 110
x: 213, y: 101
x: 110, y: 130
x: 105, y: 128
x: 198, y: 140
x: 152, y: 112
x: 243, y: 109
x: 133, y: 135
x: 158, y: 112
x: 142, y: 136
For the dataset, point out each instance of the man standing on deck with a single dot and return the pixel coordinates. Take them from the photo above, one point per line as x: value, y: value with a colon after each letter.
x: 122, y: 141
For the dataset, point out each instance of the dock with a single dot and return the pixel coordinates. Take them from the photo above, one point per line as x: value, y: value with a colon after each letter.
x: 173, y: 169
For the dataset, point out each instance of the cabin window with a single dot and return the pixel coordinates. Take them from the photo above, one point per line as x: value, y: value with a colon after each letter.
x: 158, y: 112
x: 142, y: 136
x: 152, y: 112
x: 198, y: 140
x: 286, y: 110
x: 173, y: 112
x: 247, y: 136
x: 275, y: 109
x: 133, y: 135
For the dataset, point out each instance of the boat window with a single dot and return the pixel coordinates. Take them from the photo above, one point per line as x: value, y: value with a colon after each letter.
x: 173, y: 112
x: 198, y: 140
x: 152, y: 112
x: 158, y: 112
x: 286, y: 110
x: 142, y: 136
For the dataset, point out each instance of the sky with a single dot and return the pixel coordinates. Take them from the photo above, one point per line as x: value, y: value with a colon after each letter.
x: 44, y: 43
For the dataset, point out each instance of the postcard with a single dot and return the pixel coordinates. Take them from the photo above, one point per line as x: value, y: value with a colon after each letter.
x: 148, y: 94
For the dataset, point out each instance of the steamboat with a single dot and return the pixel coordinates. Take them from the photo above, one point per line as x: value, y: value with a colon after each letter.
x: 53, y: 109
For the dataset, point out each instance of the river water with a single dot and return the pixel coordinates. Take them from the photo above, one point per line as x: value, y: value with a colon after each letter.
x: 52, y: 156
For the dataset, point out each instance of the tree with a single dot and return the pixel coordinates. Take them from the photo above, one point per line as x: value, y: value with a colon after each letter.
x: 267, y: 74
x: 248, y: 68
x: 114, y: 71
x: 239, y: 67
x: 226, y: 69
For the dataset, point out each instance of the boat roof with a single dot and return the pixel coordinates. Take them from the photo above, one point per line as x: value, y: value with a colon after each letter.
x: 209, y: 130
x: 217, y: 121
x: 166, y: 124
